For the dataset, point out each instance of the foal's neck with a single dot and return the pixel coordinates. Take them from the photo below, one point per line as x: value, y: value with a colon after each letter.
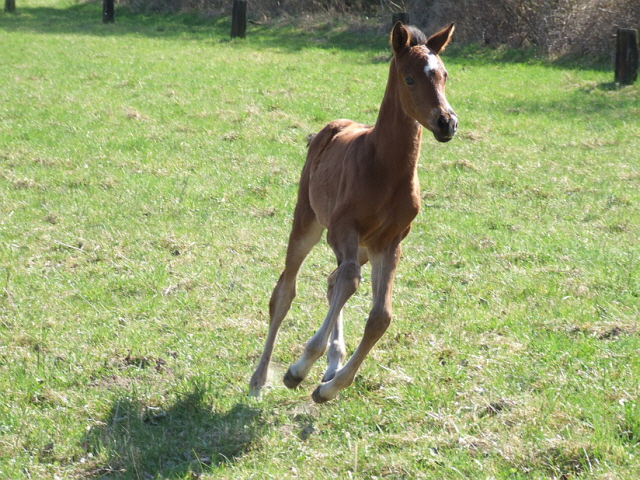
x: 396, y: 135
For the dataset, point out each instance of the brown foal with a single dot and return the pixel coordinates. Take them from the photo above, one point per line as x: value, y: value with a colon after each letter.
x: 361, y: 184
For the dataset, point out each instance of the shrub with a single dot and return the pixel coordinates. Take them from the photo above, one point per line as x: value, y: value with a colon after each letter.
x: 555, y: 27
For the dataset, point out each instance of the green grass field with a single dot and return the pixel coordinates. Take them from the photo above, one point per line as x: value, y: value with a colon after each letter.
x: 148, y: 174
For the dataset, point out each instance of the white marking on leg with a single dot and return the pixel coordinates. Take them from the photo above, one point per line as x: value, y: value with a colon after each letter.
x: 337, y: 351
x: 316, y: 346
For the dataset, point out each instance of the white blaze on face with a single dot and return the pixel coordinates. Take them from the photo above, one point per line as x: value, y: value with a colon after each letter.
x: 432, y: 64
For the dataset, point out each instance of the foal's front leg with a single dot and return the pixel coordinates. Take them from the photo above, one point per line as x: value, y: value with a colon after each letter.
x: 337, y: 351
x: 383, y: 270
x: 347, y: 279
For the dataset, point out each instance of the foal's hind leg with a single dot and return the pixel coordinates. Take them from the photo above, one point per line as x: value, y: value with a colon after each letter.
x: 306, y: 232
x: 337, y: 351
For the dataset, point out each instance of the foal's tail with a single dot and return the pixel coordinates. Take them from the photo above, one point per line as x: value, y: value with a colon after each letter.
x: 309, y: 138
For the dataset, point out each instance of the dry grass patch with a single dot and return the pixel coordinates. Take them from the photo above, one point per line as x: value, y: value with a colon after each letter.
x: 606, y: 330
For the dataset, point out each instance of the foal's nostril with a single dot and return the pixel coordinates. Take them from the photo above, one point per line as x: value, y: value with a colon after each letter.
x: 448, y: 124
x: 443, y: 123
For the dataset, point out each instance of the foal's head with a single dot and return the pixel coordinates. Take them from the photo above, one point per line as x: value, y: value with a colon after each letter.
x: 421, y: 77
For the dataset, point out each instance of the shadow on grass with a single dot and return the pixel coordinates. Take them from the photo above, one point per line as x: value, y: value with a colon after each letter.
x: 606, y: 105
x: 474, y: 54
x: 189, y: 437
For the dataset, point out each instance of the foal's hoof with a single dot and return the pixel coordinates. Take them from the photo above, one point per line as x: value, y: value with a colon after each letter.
x: 255, y: 392
x: 315, y: 396
x: 291, y: 381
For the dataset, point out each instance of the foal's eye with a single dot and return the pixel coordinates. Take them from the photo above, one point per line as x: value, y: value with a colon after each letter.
x: 409, y: 80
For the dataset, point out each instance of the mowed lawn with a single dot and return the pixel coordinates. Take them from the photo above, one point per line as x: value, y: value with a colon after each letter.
x: 148, y: 175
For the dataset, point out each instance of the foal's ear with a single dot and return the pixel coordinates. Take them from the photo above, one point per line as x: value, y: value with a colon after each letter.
x: 438, y: 41
x: 400, y: 38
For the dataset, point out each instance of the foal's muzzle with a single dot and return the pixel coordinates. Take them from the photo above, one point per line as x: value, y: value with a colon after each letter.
x: 447, y: 125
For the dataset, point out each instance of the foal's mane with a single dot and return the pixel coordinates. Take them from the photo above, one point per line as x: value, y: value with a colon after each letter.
x: 417, y: 36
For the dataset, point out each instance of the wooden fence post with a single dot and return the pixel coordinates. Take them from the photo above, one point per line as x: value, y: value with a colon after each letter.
x: 626, y: 56
x: 403, y: 17
x: 108, y: 11
x: 10, y: 6
x: 239, y: 19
